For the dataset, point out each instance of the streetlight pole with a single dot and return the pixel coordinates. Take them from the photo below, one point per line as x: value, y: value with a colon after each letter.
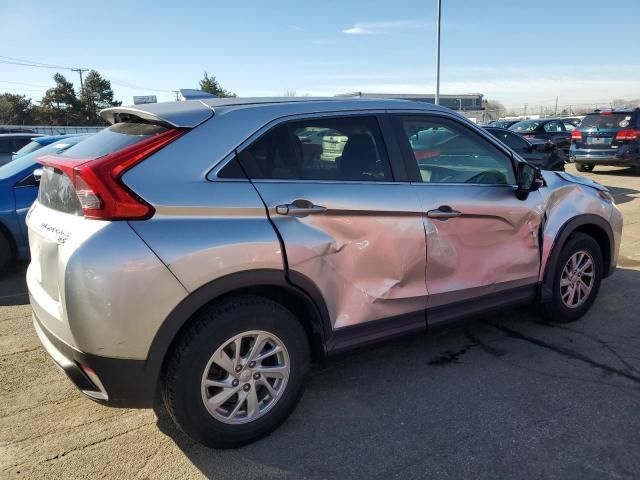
x: 439, y: 6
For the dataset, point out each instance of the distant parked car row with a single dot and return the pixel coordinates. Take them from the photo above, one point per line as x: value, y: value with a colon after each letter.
x: 19, y: 189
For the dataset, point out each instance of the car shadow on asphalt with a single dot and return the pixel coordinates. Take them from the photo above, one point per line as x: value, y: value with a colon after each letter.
x: 426, y: 399
x: 13, y: 286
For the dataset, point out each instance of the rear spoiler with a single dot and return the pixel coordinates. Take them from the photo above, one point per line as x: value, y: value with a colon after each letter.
x: 188, y: 114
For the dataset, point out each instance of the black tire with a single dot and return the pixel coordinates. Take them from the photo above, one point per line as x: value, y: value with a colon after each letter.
x: 555, y: 310
x: 581, y: 167
x: 6, y: 254
x: 208, y: 331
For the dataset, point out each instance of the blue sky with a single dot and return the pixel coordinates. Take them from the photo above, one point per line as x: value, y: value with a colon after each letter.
x: 512, y: 51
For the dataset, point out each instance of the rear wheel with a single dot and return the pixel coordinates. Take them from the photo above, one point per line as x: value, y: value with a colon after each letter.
x: 237, y: 372
x: 576, y: 279
x: 581, y: 167
x: 5, y: 253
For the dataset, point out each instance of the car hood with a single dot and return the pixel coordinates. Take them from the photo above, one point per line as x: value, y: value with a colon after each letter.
x: 587, y: 182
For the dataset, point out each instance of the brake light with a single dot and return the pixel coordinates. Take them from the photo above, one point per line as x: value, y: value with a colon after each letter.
x: 628, y: 135
x: 576, y: 135
x: 98, y: 182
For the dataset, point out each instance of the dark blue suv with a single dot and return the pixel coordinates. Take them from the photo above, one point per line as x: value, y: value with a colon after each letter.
x: 607, y: 138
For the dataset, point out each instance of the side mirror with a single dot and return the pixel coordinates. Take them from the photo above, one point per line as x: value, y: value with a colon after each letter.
x: 529, y: 180
x: 37, y: 174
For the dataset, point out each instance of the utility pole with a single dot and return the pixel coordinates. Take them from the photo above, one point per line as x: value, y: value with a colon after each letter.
x: 556, y: 110
x: 525, y: 110
x: 177, y: 92
x: 80, y: 71
x: 439, y: 6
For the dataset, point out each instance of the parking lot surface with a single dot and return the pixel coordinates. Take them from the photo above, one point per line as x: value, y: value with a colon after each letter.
x: 503, y: 396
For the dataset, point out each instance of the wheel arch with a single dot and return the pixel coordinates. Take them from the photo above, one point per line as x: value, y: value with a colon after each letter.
x: 593, y: 225
x: 306, y: 303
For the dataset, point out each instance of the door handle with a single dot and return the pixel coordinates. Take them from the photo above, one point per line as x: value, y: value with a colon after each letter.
x: 443, y: 212
x: 292, y: 209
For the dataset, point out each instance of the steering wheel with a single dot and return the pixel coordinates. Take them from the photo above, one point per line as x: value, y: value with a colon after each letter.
x: 487, y: 177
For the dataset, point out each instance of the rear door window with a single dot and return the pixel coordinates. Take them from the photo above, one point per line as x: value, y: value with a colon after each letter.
x: 330, y: 149
x: 553, y: 127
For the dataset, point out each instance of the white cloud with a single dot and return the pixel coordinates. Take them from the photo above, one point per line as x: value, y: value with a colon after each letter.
x: 379, y: 28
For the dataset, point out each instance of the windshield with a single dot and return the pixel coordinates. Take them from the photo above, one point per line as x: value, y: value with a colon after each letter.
x: 32, y: 146
x: 525, y: 126
x: 606, y: 120
x: 29, y: 160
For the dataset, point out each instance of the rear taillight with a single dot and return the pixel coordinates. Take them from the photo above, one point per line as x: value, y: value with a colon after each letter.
x: 576, y: 135
x: 627, y: 135
x: 98, y: 183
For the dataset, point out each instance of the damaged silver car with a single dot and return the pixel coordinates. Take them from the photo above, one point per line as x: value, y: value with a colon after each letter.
x: 202, y: 253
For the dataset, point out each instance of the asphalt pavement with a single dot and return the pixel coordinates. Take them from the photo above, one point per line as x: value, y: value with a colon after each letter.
x: 503, y: 396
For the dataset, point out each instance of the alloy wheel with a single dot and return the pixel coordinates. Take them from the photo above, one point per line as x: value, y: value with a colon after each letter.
x: 245, y: 377
x: 577, y: 279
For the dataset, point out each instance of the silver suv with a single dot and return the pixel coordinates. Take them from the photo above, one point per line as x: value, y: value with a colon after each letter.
x: 202, y: 253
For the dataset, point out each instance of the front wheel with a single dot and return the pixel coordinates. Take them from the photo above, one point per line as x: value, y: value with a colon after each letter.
x: 576, y: 279
x: 581, y: 167
x: 237, y: 372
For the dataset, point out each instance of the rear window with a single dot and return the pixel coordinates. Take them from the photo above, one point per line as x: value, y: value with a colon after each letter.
x: 611, y: 120
x: 112, y: 139
x: 28, y: 148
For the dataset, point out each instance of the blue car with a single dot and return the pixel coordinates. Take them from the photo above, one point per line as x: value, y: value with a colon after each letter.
x: 18, y: 190
x: 36, y: 143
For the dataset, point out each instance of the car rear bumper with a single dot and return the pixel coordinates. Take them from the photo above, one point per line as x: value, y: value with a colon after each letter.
x: 110, y: 381
x: 622, y: 156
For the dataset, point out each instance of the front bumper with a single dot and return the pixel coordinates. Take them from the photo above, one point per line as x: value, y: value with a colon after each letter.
x: 110, y: 381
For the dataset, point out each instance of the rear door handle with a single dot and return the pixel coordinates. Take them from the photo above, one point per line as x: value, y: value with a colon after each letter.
x: 291, y: 209
x: 443, y: 212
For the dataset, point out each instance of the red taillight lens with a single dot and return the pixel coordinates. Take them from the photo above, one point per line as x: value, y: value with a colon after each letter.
x: 98, y: 182
x: 576, y: 135
x: 628, y: 135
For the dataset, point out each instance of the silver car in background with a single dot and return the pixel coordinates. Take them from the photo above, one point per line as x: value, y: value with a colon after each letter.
x: 203, y: 253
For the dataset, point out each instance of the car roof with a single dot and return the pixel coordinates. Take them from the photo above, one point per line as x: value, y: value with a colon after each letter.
x: 191, y: 113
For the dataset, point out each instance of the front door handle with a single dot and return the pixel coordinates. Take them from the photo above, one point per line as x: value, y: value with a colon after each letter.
x: 293, y: 209
x: 443, y: 212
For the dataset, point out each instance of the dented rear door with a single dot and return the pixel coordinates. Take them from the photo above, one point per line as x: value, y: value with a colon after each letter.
x: 346, y: 225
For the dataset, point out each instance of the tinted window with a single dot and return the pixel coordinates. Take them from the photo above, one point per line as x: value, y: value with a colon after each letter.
x: 525, y: 126
x: 607, y: 120
x: 112, y: 139
x: 6, y: 146
x: 512, y: 140
x: 334, y: 149
x: 553, y: 127
x: 446, y: 152
x: 28, y: 148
